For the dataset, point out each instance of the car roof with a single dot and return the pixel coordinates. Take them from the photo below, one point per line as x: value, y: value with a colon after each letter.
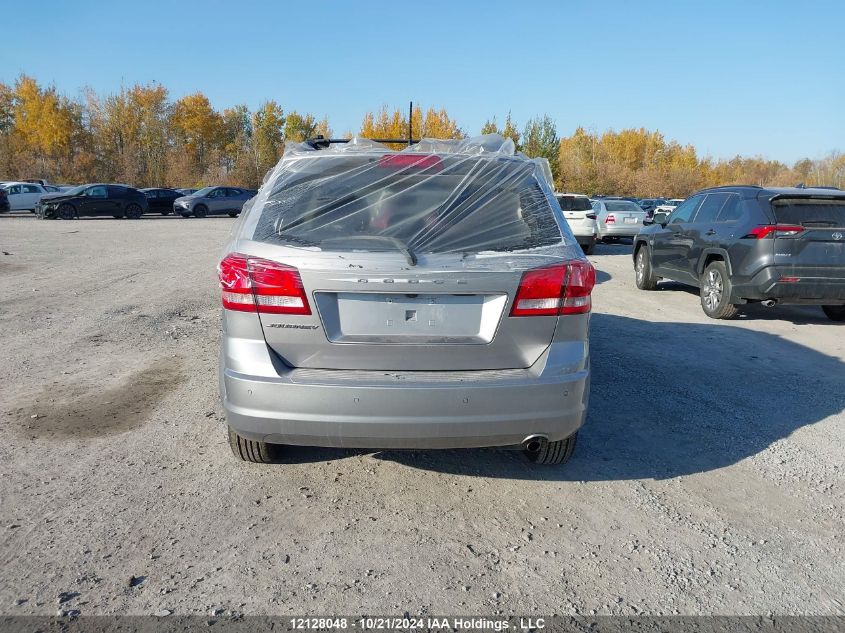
x: 753, y: 191
x: 575, y: 195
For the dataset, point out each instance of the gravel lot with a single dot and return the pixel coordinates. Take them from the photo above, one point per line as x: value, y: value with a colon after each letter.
x: 709, y: 478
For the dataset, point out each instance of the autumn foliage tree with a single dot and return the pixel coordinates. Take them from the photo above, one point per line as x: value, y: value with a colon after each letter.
x: 141, y: 136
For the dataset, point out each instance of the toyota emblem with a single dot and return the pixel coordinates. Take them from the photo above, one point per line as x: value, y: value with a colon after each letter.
x: 837, y: 236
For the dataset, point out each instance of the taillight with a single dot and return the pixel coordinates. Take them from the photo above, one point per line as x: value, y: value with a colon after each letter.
x: 610, y: 219
x: 250, y: 284
x: 775, y: 230
x: 555, y: 290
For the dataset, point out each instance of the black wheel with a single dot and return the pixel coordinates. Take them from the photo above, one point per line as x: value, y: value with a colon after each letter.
x: 588, y: 248
x: 716, y: 292
x: 200, y: 211
x: 185, y: 215
x: 646, y: 279
x: 252, y: 450
x: 67, y: 211
x: 165, y: 212
x: 557, y: 452
x: 134, y: 212
x: 117, y: 216
x: 233, y: 214
x: 834, y: 313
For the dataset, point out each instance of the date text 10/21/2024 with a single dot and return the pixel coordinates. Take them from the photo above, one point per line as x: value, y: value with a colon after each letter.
x: 387, y: 623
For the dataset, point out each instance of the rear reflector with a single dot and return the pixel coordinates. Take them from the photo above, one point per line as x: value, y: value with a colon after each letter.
x: 789, y: 280
x: 417, y: 161
x: 250, y: 284
x: 555, y: 290
x: 775, y: 230
x: 610, y: 219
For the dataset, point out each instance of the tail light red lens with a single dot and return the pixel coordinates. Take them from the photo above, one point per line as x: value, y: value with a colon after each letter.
x: 610, y: 219
x: 555, y: 290
x: 775, y: 230
x: 250, y: 284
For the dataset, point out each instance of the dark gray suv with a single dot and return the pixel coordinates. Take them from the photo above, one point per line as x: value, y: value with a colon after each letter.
x: 744, y: 244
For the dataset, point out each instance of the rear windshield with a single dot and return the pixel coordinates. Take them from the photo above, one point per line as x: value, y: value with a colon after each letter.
x: 574, y: 203
x: 424, y: 202
x: 810, y: 212
x: 622, y: 205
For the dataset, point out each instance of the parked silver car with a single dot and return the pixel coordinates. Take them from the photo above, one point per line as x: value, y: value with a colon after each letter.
x: 428, y: 298
x: 213, y: 201
x: 617, y: 218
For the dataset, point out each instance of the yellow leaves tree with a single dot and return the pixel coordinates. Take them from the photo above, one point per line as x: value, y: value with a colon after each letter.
x: 197, y: 128
x: 268, y: 124
x: 130, y: 132
x: 394, y: 124
x: 45, y: 124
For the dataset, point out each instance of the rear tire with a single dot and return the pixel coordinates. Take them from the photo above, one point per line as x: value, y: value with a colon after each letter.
x: 835, y: 313
x: 134, y: 212
x: 252, y: 450
x: 67, y: 211
x: 165, y: 212
x: 646, y: 279
x: 185, y: 215
x: 232, y: 214
x: 557, y: 452
x: 200, y: 211
x: 716, y: 292
x: 589, y: 248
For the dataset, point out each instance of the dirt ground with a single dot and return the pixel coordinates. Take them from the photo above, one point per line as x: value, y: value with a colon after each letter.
x: 708, y: 479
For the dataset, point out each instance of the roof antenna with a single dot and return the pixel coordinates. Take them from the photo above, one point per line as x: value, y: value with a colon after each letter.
x: 410, y: 122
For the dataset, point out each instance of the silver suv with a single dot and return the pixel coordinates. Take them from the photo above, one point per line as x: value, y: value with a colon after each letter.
x: 213, y: 201
x: 428, y: 298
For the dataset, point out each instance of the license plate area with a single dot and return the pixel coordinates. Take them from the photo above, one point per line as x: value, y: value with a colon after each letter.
x: 630, y: 220
x: 408, y: 319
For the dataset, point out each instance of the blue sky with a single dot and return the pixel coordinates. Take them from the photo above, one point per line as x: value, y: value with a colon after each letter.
x: 748, y: 77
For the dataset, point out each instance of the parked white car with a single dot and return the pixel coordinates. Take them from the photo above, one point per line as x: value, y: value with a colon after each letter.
x: 668, y: 206
x: 581, y: 218
x: 23, y: 196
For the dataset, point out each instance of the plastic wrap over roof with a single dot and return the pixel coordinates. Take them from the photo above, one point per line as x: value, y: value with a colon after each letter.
x: 484, y: 144
x: 472, y: 197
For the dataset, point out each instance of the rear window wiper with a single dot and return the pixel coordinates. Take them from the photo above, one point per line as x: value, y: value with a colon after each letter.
x: 398, y: 244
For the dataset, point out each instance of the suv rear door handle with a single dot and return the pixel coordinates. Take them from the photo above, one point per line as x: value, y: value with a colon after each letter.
x: 711, y: 232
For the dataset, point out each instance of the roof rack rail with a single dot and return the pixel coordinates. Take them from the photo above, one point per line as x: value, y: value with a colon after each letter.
x: 321, y: 142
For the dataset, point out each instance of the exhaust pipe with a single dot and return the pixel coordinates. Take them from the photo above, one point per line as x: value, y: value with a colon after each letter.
x: 770, y: 303
x: 534, y: 443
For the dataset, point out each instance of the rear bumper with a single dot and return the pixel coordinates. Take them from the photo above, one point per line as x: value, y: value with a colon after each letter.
x: 621, y: 230
x: 584, y: 232
x: 820, y: 286
x: 369, y: 409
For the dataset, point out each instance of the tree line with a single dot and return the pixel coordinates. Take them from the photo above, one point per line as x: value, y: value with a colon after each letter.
x: 141, y: 136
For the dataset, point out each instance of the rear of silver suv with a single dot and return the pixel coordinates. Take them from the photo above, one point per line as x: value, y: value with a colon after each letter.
x: 429, y: 298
